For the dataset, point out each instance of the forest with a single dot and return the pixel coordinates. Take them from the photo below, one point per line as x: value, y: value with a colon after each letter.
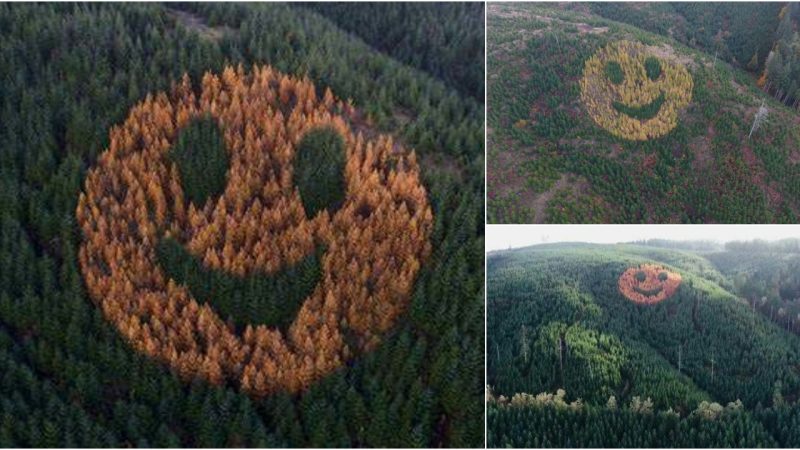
x: 241, y: 225
x: 647, y: 344
x: 642, y: 113
x: 760, y: 38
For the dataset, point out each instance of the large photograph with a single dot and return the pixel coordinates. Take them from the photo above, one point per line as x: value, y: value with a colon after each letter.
x: 658, y: 112
x: 610, y: 336
x: 241, y: 225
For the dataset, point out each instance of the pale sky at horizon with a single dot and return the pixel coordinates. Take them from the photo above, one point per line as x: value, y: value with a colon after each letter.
x: 500, y: 237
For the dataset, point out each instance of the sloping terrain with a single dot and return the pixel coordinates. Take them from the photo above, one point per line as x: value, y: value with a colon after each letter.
x: 695, y: 367
x: 555, y: 156
x: 88, y: 362
x: 445, y: 39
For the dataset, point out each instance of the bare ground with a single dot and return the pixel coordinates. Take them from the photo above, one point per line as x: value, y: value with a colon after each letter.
x: 701, y: 148
x: 586, y: 28
x: 539, y: 203
x: 197, y: 24
x: 759, y: 176
x: 665, y: 51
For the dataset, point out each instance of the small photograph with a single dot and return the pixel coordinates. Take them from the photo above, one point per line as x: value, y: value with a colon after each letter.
x: 242, y: 225
x: 658, y: 112
x: 632, y: 336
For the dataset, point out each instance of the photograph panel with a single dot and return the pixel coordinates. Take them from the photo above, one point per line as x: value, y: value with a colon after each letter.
x: 615, y: 336
x: 241, y: 225
x: 660, y: 112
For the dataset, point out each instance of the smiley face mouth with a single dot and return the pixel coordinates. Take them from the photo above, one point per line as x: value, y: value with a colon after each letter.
x: 644, y: 112
x: 649, y: 292
x: 257, y: 299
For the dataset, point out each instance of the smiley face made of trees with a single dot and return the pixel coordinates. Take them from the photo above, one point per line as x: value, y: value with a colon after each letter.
x: 632, y: 93
x: 648, y: 284
x: 373, y: 240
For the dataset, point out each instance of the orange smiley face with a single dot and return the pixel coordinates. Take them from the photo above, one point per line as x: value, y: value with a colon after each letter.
x: 648, y: 284
x: 374, y: 240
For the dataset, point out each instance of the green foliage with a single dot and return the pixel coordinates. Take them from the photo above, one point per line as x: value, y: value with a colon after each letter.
x: 653, y: 67
x: 556, y: 320
x: 554, y: 125
x: 541, y: 172
x: 704, y: 170
x: 766, y: 276
x: 568, y: 207
x: 614, y: 72
x: 264, y: 299
x: 443, y: 39
x: 72, y: 71
x: 599, y: 427
x: 202, y: 160
x: 319, y: 171
x: 509, y: 209
x: 757, y: 37
x: 645, y: 112
x: 747, y: 27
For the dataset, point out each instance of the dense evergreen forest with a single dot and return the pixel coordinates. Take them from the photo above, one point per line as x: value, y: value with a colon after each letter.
x: 444, y: 39
x: 579, y: 355
x: 627, y: 113
x: 94, y: 353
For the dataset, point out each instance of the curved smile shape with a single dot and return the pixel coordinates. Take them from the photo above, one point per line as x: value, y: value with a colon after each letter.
x: 649, y: 292
x: 645, y: 112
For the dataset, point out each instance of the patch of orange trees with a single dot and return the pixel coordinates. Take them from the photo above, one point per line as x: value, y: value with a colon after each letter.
x: 648, y: 283
x: 133, y: 197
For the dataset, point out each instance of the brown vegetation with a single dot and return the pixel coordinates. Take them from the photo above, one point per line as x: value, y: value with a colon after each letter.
x: 648, y: 284
x: 133, y: 197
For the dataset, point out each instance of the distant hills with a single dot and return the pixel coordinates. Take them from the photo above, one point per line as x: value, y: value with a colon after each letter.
x: 712, y: 365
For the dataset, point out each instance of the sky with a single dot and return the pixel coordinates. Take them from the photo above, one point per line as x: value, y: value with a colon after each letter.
x: 512, y: 236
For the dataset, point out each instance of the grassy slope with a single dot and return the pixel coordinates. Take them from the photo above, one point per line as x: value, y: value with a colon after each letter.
x: 549, y: 162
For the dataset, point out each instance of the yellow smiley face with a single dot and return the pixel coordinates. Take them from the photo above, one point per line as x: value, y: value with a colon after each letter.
x: 632, y: 92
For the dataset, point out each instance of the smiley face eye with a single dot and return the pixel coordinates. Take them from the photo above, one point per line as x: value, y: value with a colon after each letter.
x: 640, y: 276
x: 319, y: 170
x: 663, y: 276
x: 653, y: 68
x: 614, y: 72
x: 201, y: 159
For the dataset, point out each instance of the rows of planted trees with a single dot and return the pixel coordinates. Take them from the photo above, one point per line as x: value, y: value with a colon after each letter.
x: 69, y: 376
x: 701, y: 362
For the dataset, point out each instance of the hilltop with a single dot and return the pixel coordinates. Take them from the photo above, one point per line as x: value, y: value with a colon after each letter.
x: 672, y: 147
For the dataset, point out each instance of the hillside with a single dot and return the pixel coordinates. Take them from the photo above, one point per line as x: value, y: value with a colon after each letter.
x: 672, y: 147
x: 740, y: 33
x: 234, y: 225
x: 443, y: 39
x: 758, y: 37
x: 652, y: 347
